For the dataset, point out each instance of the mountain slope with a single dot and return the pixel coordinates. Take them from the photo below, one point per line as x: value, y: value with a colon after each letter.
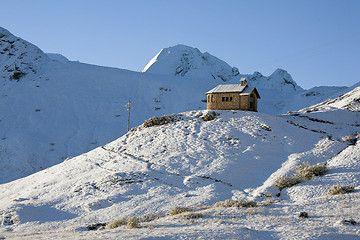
x: 52, y: 109
x: 185, y: 162
x: 185, y: 61
x: 349, y: 101
x: 182, y: 60
x: 19, y: 58
x: 74, y: 108
x: 279, y: 92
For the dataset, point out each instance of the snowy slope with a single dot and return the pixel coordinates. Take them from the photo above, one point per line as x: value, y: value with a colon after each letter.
x: 349, y: 101
x: 182, y: 60
x: 279, y: 92
x: 57, y: 57
x: 19, y: 58
x: 186, y: 162
x: 74, y: 108
x: 328, y: 117
x: 52, y: 109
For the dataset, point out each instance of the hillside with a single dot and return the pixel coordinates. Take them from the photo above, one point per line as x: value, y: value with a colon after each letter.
x: 185, y: 61
x: 279, y: 92
x: 189, y: 161
x: 349, y: 101
x: 53, y: 109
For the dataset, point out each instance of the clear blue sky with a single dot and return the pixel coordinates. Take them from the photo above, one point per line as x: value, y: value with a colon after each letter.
x: 317, y: 42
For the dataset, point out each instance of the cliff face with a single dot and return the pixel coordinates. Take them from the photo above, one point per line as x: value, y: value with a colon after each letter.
x: 19, y: 58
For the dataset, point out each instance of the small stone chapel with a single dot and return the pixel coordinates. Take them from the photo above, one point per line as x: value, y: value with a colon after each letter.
x: 233, y: 97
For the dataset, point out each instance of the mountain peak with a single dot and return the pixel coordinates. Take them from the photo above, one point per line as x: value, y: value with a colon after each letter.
x: 281, y: 76
x: 185, y: 61
x: 18, y: 58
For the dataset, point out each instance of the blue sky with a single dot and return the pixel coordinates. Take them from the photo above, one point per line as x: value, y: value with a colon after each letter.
x: 317, y: 42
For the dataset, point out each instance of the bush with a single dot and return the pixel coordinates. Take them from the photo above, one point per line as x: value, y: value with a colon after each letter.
x: 117, y: 223
x: 208, y: 116
x: 150, y: 217
x: 236, y: 203
x: 303, y: 172
x: 287, y: 181
x: 156, y: 121
x: 335, y: 190
x: 133, y: 222
x: 192, y: 215
x: 349, y: 139
x: 178, y: 210
x: 307, y: 171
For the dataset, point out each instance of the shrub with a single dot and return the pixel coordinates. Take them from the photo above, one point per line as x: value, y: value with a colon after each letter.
x: 133, y: 222
x: 117, y: 223
x: 287, y: 181
x: 156, y: 121
x: 177, y: 210
x: 335, y: 190
x: 303, y: 172
x: 208, y: 116
x: 307, y: 171
x: 192, y: 215
x: 349, y: 139
x: 236, y: 203
x: 150, y: 217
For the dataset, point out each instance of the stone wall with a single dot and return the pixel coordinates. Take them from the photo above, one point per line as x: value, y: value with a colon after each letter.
x: 231, y: 101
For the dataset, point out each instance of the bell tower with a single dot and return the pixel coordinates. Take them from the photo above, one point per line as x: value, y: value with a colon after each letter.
x: 243, y: 81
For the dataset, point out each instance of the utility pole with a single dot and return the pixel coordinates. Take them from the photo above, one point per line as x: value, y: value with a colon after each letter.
x: 128, y: 109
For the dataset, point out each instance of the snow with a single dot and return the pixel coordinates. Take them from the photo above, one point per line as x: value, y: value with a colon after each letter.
x: 60, y: 109
x: 57, y: 57
x: 349, y: 101
x: 19, y: 58
x: 182, y: 60
x: 67, y: 161
x: 188, y: 162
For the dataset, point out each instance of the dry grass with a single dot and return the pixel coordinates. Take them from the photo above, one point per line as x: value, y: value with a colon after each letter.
x: 287, y: 181
x: 303, y: 172
x: 208, y: 116
x: 133, y: 222
x: 236, y: 203
x: 117, y: 223
x: 192, y: 215
x: 349, y: 139
x: 335, y: 190
x: 151, y: 217
x: 307, y: 171
x: 177, y: 210
x: 157, y: 121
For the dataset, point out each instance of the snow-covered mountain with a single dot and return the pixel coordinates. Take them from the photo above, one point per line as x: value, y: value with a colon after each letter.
x: 188, y: 161
x: 19, y: 58
x: 182, y: 60
x: 348, y: 101
x: 57, y: 57
x: 279, y: 92
x: 52, y: 109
